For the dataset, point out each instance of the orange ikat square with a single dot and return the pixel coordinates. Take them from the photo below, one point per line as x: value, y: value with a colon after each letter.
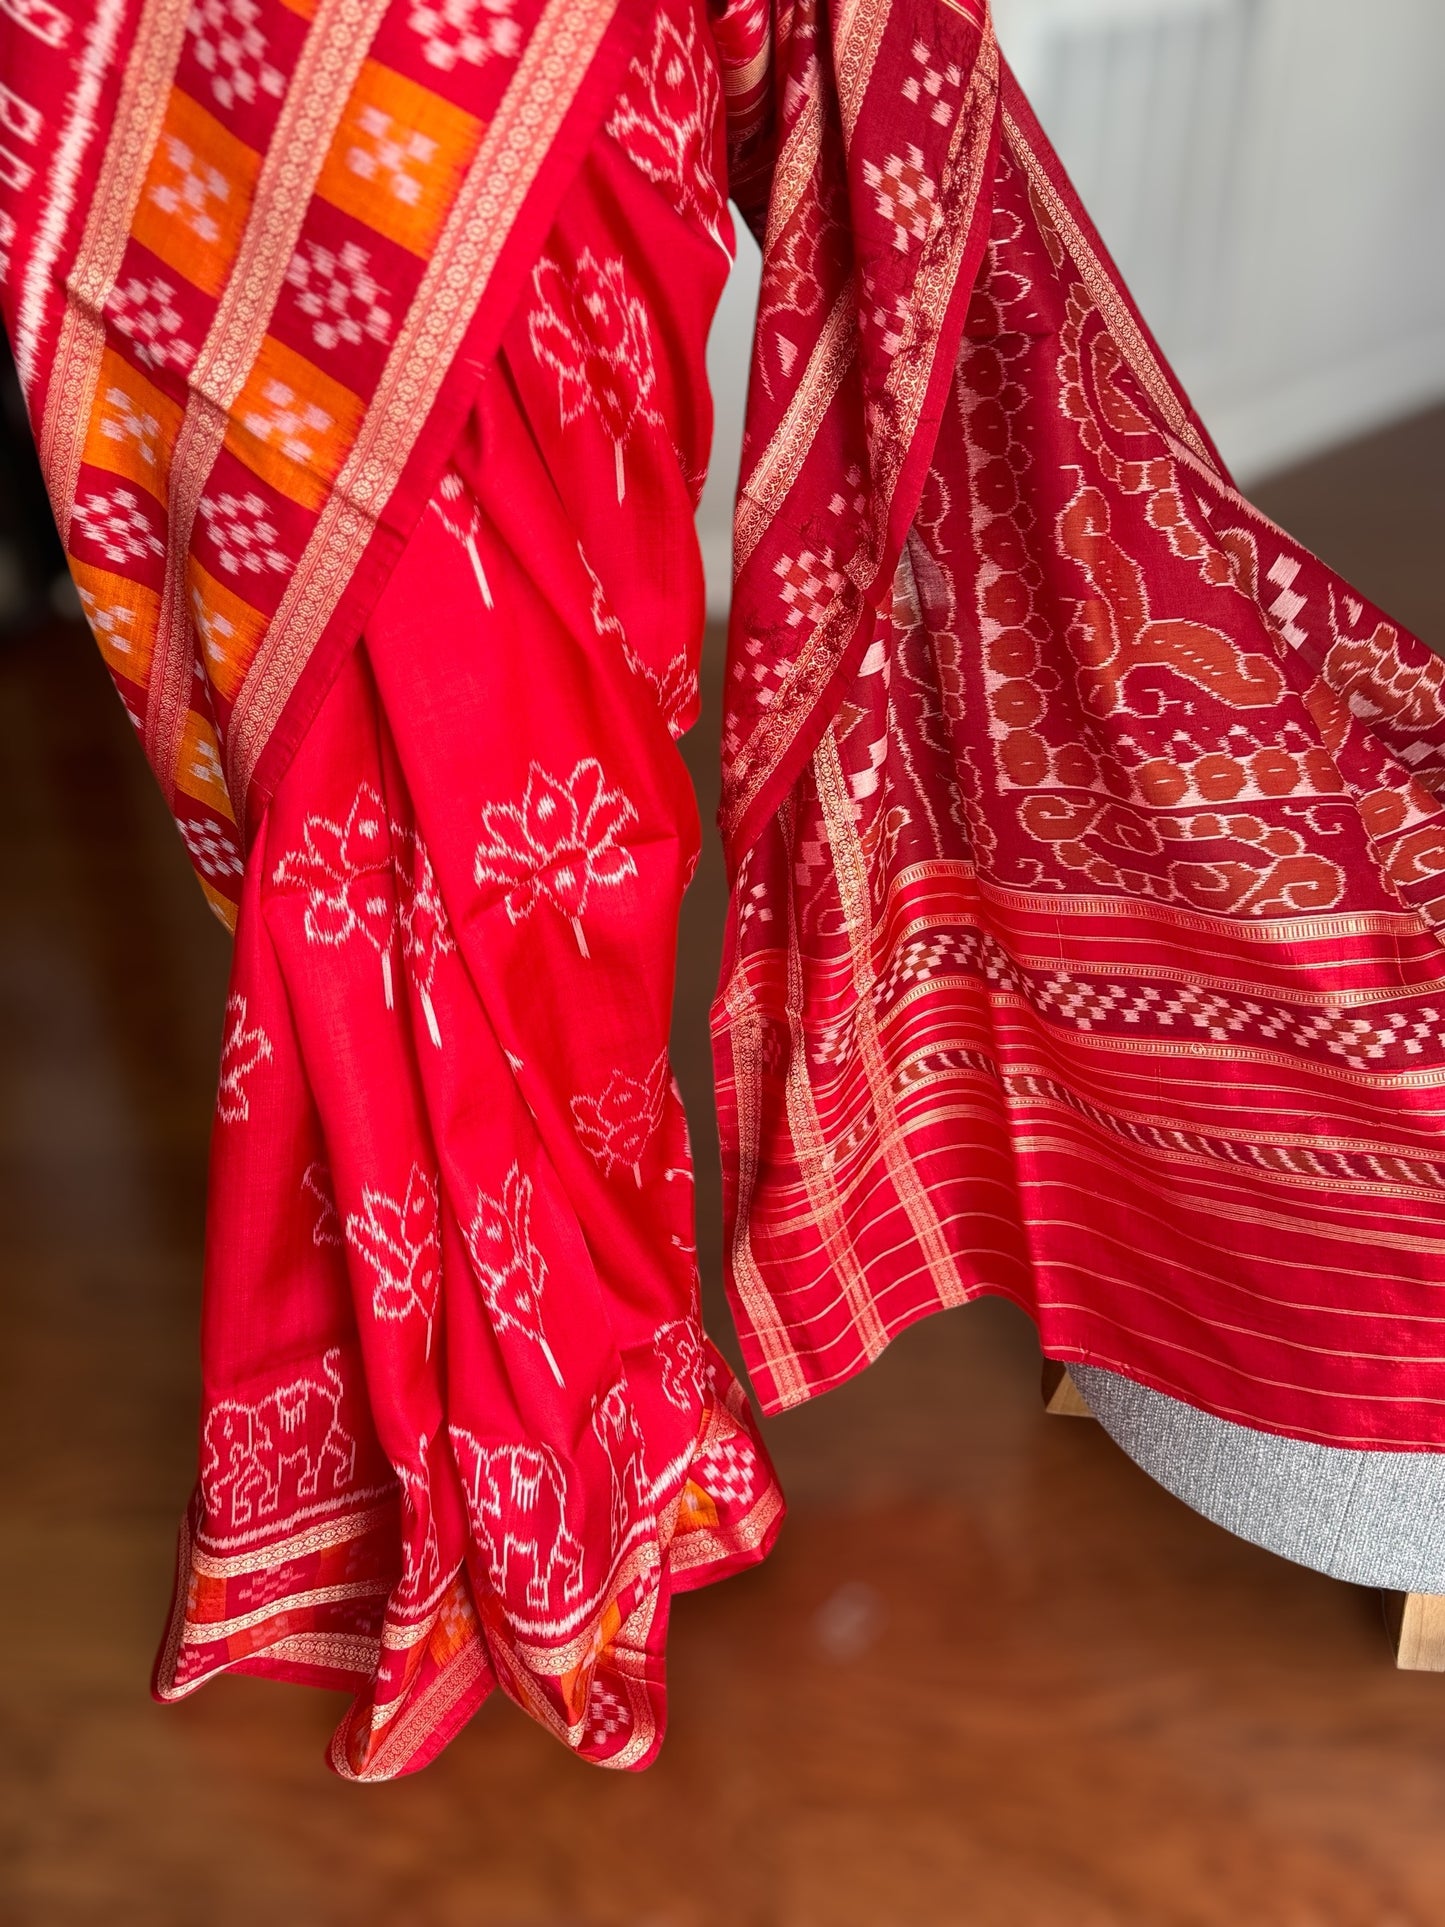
x: 293, y: 425
x: 197, y: 195
x: 122, y: 615
x: 398, y: 156
x: 198, y: 767
x: 133, y: 426
x: 228, y: 629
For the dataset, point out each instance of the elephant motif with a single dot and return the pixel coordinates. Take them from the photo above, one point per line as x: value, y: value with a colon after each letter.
x: 516, y: 1498
x: 615, y: 1429
x: 281, y: 1446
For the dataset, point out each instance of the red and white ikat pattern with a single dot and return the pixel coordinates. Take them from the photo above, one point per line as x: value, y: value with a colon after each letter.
x: 494, y: 1440
x: 1098, y: 940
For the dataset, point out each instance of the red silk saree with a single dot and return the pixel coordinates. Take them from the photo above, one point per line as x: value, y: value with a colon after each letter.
x: 1082, y: 829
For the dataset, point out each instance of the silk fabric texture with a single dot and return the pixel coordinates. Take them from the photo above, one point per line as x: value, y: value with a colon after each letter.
x: 1082, y: 828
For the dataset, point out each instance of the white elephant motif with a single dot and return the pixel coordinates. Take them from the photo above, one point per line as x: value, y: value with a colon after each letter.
x: 281, y: 1446
x: 517, y: 1505
x: 615, y: 1430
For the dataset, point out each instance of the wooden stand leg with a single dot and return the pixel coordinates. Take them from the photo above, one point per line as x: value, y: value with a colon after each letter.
x: 1416, y: 1624
x: 1060, y: 1393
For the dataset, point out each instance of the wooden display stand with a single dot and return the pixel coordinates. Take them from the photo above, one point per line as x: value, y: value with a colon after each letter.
x: 1415, y: 1621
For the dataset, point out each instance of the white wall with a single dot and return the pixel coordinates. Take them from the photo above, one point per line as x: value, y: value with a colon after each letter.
x: 1269, y: 174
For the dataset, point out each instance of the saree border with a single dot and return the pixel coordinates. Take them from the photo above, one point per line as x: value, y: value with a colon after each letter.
x: 339, y: 40
x: 75, y: 373
x: 765, y: 767
x: 560, y: 68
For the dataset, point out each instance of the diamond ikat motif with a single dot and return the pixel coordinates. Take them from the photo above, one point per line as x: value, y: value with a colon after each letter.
x: 135, y: 429
x: 214, y: 850
x: 939, y: 88
x: 338, y: 293
x: 117, y: 525
x: 191, y: 190
x: 398, y: 155
x: 905, y: 195
x: 288, y: 422
x: 469, y: 31
x: 145, y: 312
x: 810, y: 582
x: 390, y: 156
x: 230, y: 47
x: 243, y: 536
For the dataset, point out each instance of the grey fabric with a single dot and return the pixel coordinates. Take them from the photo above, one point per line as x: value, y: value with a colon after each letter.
x: 1375, y: 1518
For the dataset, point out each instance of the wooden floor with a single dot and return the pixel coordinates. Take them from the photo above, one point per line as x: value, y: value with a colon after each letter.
x: 991, y: 1677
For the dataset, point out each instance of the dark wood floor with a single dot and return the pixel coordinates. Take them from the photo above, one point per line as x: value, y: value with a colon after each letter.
x: 991, y: 1676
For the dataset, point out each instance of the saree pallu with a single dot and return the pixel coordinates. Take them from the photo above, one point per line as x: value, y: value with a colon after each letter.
x: 1084, y: 938
x: 451, y: 1307
x: 460, y: 1427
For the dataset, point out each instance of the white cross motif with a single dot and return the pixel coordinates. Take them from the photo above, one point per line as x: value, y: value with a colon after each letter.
x: 471, y: 30
x: 245, y: 539
x: 392, y: 152
x: 191, y: 197
x: 146, y: 314
x: 338, y: 294
x: 288, y: 423
x: 118, y: 526
x: 230, y: 46
x: 129, y: 424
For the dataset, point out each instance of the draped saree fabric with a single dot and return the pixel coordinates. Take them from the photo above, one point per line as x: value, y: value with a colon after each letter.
x: 396, y: 321
x: 1083, y: 942
x: 1083, y: 837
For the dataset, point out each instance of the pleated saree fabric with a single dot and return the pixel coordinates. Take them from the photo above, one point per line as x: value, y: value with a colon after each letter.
x: 1082, y: 829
